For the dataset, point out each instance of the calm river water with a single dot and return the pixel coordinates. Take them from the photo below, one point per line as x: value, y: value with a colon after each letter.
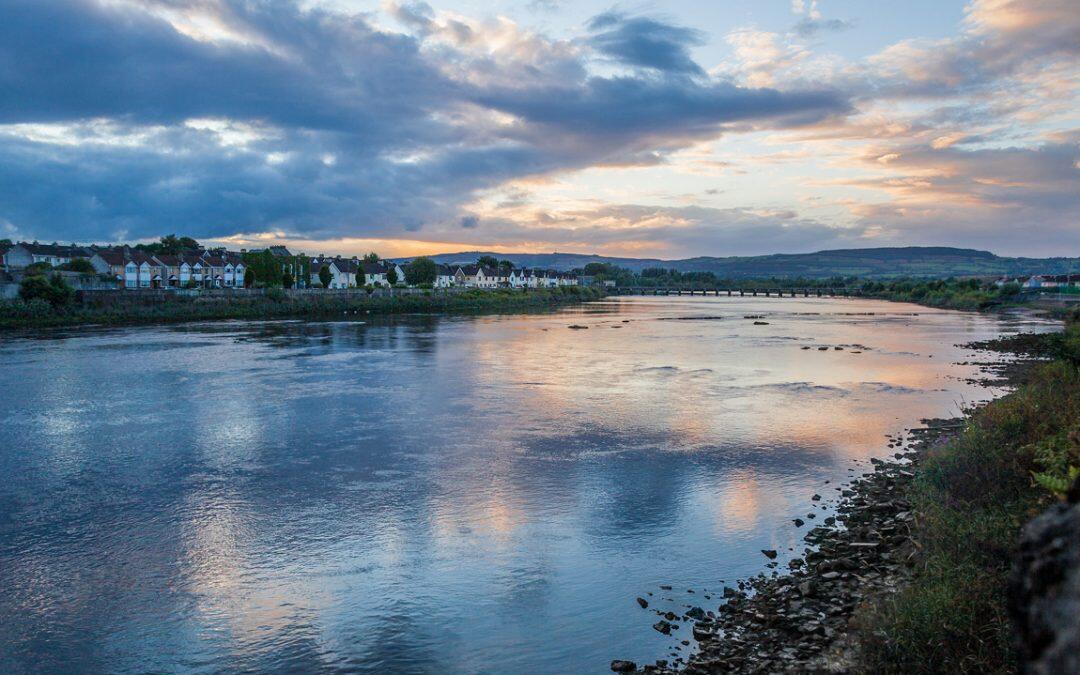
x: 434, y: 494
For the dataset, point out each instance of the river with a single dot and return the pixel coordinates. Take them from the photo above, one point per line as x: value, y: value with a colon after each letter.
x: 480, y: 494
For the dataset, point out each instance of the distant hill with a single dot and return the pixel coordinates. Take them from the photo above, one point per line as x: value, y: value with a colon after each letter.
x: 917, y: 261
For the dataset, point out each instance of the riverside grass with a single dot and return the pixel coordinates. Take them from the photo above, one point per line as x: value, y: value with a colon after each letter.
x: 971, y: 497
x: 39, y: 314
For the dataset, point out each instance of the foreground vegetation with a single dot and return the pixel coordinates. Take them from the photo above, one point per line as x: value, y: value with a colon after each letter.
x: 971, y: 497
x: 53, y: 308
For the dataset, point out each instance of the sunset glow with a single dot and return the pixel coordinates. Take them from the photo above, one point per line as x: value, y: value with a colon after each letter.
x: 662, y: 130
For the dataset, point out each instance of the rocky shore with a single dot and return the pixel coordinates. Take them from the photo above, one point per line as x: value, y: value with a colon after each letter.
x: 797, y: 621
x: 800, y: 619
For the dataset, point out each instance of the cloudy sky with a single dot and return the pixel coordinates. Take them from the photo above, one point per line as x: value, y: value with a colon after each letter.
x: 666, y: 129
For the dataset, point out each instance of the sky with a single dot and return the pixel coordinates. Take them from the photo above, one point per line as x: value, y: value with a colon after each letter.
x: 643, y: 129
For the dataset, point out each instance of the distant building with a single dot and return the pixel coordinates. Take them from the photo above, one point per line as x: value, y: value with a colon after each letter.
x: 23, y: 255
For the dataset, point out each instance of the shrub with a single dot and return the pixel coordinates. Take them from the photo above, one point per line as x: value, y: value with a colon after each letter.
x: 971, y: 497
x: 80, y: 265
x: 55, y: 291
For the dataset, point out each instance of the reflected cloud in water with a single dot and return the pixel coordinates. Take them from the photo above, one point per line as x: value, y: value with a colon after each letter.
x: 424, y: 493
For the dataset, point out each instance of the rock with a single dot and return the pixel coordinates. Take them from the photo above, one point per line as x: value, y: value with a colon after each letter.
x: 577, y: 327
x: 696, y: 613
x: 665, y: 588
x: 761, y: 323
x: 700, y: 633
x: 823, y: 349
x: 799, y: 522
x: 1044, y: 591
x: 769, y: 553
x: 663, y: 627
x: 643, y: 602
x: 816, y: 498
x: 623, y: 666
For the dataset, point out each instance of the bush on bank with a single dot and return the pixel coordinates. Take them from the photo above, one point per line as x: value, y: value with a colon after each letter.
x: 276, y: 304
x: 971, y: 497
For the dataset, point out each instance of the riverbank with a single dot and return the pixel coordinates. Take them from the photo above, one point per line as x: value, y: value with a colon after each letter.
x: 278, y: 304
x: 910, y: 575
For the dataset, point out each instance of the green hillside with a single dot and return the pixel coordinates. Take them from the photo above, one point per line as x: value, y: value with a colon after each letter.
x: 877, y: 263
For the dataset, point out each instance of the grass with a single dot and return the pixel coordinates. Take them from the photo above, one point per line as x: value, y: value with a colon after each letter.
x: 971, y: 497
x: 39, y: 314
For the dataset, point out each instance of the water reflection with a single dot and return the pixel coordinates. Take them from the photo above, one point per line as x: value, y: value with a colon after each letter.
x: 474, y: 494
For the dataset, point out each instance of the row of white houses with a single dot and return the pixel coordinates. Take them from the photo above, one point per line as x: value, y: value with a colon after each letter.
x: 345, y: 273
x: 136, y: 269
x: 1040, y: 281
x: 480, y: 276
x: 133, y: 268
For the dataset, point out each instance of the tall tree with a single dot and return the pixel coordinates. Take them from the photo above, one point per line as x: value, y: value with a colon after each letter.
x: 488, y: 261
x: 325, y: 275
x: 421, y: 271
x: 391, y: 275
x: 265, y: 266
x: 372, y: 257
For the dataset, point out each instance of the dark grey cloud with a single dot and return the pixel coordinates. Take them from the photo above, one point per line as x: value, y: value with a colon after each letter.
x: 645, y: 42
x: 356, y: 131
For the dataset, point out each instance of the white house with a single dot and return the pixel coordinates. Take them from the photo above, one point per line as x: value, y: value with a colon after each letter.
x: 342, y: 272
x: 444, y: 276
x: 230, y: 275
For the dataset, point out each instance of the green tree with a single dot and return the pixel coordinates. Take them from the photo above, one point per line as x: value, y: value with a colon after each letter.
x: 249, y: 277
x: 372, y: 257
x: 505, y: 266
x: 287, y: 279
x: 38, y: 268
x: 487, y: 261
x: 266, y: 267
x: 170, y: 244
x: 55, y: 291
x: 80, y: 265
x: 325, y: 276
x: 421, y: 271
x: 391, y: 276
